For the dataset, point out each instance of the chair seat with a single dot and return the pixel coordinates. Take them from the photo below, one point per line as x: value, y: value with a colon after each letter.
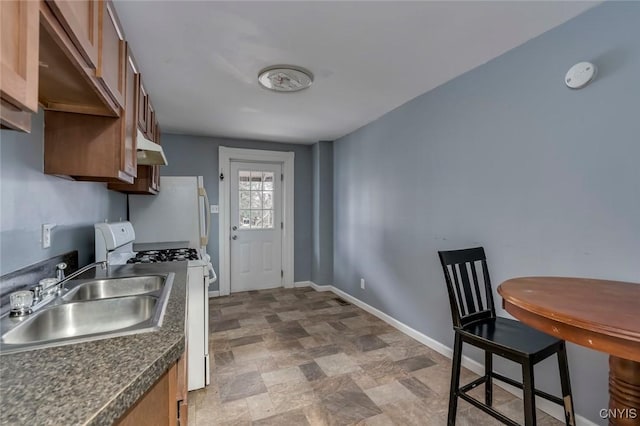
x: 510, y: 334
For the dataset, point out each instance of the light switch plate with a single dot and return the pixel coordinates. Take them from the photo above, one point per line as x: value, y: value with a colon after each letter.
x: 46, y: 234
x: 214, y: 208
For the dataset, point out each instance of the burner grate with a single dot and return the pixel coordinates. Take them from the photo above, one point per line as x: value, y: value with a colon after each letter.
x: 170, y: 255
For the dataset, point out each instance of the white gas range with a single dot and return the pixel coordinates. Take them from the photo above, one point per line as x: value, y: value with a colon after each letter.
x: 114, y: 242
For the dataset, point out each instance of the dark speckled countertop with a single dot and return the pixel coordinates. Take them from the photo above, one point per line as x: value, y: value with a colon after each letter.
x: 95, y: 382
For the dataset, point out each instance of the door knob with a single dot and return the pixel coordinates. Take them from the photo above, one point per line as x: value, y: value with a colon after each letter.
x: 235, y: 228
x: 235, y: 237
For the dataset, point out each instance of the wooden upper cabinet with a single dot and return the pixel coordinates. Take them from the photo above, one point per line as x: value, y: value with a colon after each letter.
x: 130, y: 159
x: 143, y: 184
x: 91, y: 147
x: 156, y: 133
x: 147, y: 180
x: 143, y: 106
x: 155, y: 182
x: 66, y: 82
x: 19, y: 31
x: 151, y: 122
x: 81, y: 20
x: 155, y: 178
x: 111, y: 53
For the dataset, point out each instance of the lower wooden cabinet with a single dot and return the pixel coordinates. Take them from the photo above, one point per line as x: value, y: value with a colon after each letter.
x: 182, y: 391
x: 165, y: 404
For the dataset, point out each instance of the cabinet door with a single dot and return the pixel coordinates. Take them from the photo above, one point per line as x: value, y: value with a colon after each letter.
x: 13, y: 118
x: 19, y: 29
x: 155, y: 183
x: 155, y: 177
x: 111, y: 54
x: 129, y: 159
x: 66, y: 82
x: 80, y: 18
x: 182, y: 392
x: 157, y: 406
x: 143, y: 106
x: 151, y: 128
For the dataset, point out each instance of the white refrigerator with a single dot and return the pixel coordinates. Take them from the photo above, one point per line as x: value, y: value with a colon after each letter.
x: 179, y: 213
x: 175, y: 218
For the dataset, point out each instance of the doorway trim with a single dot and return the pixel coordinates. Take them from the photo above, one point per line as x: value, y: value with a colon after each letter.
x: 225, y: 156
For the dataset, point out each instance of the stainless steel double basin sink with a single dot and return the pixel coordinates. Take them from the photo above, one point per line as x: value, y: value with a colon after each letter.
x: 91, y: 310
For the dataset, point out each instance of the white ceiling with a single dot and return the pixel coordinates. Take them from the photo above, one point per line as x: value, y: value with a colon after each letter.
x: 200, y: 60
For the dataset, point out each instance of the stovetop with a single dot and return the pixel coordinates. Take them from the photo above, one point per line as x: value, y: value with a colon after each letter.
x: 170, y: 255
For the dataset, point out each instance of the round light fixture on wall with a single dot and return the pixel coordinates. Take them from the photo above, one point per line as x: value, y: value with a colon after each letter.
x: 285, y: 78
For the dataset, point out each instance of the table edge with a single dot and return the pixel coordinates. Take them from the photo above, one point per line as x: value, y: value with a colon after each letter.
x: 625, y: 343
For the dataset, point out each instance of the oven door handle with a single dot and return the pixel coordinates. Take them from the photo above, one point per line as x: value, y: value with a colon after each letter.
x: 205, y: 240
x: 212, y: 275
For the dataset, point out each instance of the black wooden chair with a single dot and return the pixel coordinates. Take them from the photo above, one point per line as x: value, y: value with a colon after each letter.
x: 475, y: 323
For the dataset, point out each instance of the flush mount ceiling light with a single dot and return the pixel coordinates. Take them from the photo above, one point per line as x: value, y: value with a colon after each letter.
x: 285, y: 78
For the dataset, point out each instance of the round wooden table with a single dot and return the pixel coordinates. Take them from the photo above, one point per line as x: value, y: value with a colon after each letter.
x: 599, y: 314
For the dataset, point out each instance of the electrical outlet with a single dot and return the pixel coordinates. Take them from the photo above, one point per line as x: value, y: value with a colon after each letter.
x: 362, y: 286
x: 46, y: 234
x: 215, y: 208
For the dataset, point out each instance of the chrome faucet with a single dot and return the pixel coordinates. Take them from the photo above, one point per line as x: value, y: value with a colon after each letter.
x: 60, y: 267
x: 80, y: 271
x: 48, y: 288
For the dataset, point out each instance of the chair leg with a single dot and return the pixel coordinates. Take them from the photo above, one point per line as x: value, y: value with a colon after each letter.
x: 488, y: 384
x: 529, y: 395
x: 565, y: 383
x: 455, y: 380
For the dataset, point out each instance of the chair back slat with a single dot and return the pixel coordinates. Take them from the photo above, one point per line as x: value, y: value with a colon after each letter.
x: 466, y: 286
x: 470, y: 299
x: 476, y: 287
x: 487, y: 283
x: 458, y: 290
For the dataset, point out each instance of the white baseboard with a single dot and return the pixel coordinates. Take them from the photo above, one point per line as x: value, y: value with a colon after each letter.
x: 548, y: 407
x: 302, y: 284
x: 215, y: 293
x: 317, y: 287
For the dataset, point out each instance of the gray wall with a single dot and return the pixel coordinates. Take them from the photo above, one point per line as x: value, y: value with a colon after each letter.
x: 505, y: 156
x: 30, y: 198
x: 198, y: 156
x: 322, y: 261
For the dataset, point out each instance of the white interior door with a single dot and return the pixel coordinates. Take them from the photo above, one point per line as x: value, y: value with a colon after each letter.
x: 256, y: 230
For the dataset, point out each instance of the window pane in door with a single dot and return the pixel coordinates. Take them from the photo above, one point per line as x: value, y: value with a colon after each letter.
x: 267, y: 199
x: 256, y: 200
x: 256, y: 218
x: 245, y: 219
x: 267, y: 181
x: 244, y: 180
x: 256, y: 181
x: 267, y: 219
x: 245, y: 199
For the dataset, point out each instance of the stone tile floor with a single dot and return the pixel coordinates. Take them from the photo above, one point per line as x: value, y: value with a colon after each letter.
x: 300, y: 357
